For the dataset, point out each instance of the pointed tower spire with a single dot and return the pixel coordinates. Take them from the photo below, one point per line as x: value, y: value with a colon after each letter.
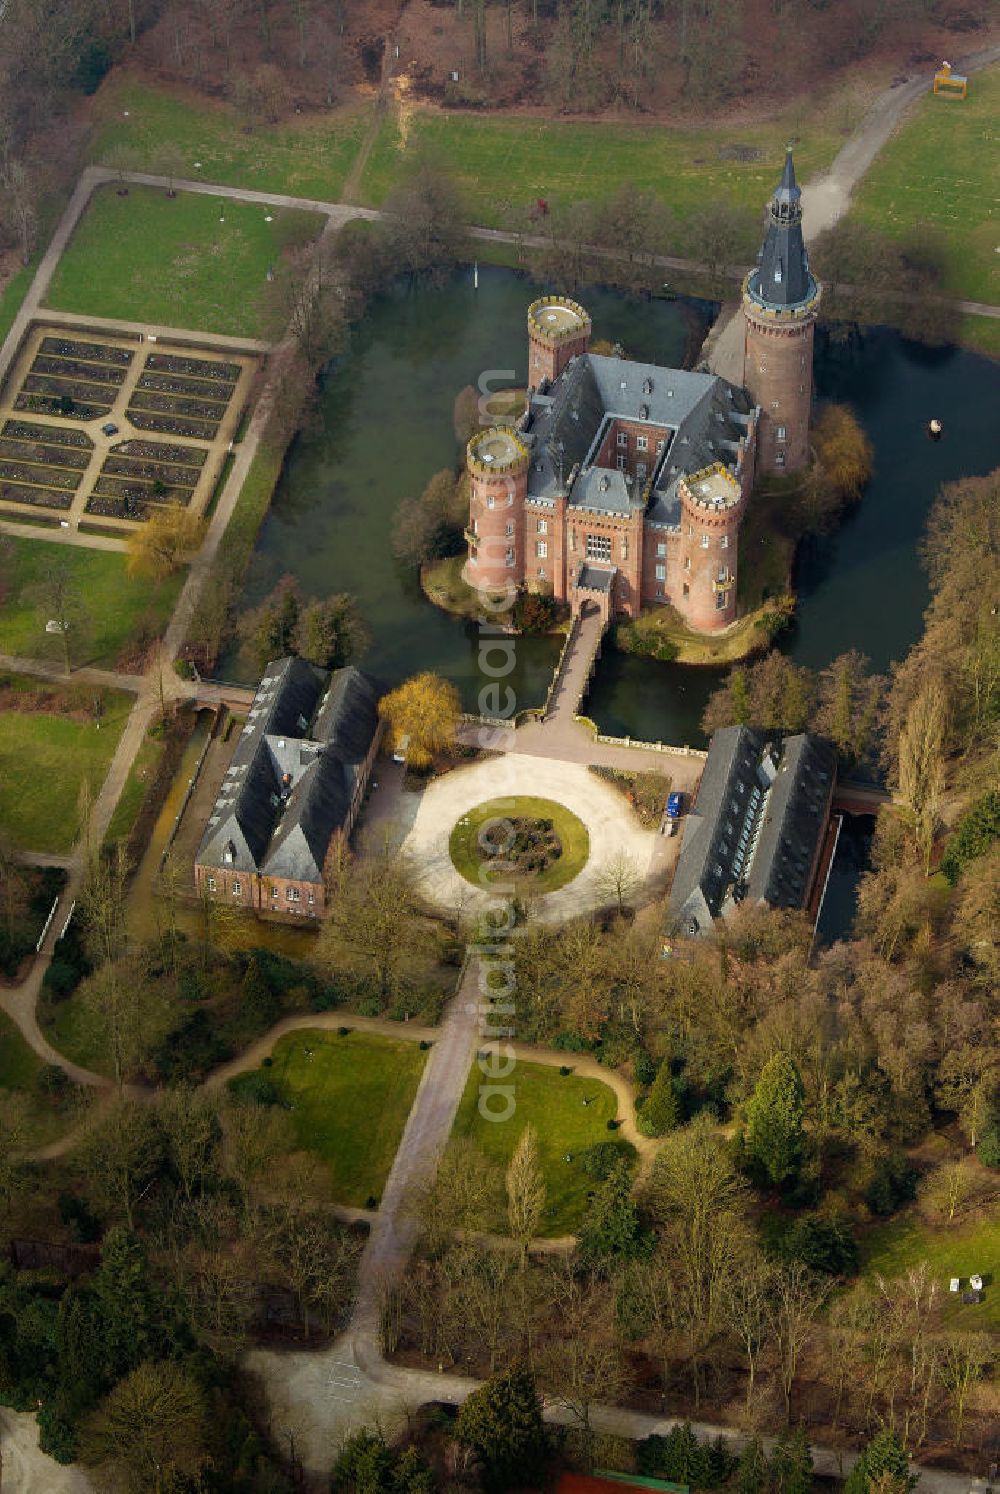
x: 782, y: 279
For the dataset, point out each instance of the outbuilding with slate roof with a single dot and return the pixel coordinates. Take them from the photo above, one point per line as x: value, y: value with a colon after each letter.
x: 296, y: 782
x: 756, y: 829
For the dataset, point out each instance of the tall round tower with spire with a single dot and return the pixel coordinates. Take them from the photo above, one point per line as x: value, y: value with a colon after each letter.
x: 780, y: 302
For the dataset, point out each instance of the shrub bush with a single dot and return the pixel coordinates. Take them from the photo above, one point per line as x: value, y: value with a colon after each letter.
x: 257, y: 1087
x: 600, y: 1160
x: 988, y: 1146
x: 890, y: 1181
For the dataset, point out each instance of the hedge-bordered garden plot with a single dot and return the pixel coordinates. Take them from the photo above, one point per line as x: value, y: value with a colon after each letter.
x: 104, y: 427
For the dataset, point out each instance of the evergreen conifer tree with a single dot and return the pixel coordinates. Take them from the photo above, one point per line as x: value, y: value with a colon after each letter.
x: 502, y: 1422
x: 775, y: 1119
x: 883, y: 1465
x: 752, y: 1476
x: 661, y: 1112
x: 792, y: 1464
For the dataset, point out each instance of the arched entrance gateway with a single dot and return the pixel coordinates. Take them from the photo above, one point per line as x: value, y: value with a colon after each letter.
x: 593, y: 590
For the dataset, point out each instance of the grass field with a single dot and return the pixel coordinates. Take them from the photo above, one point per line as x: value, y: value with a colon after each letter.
x: 350, y: 1097
x: 956, y: 1250
x: 981, y: 334
x: 117, y: 607
x: 939, y: 171
x: 170, y: 260
x: 45, y: 759
x: 168, y: 130
x: 554, y: 1104
x: 504, y: 164
x: 19, y: 1071
x: 132, y: 795
x: 469, y: 860
x: 12, y: 296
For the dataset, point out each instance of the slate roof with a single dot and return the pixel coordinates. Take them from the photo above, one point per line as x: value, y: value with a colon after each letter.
x: 782, y: 279
x: 594, y: 578
x: 705, y: 416
x: 292, y: 777
x: 756, y: 826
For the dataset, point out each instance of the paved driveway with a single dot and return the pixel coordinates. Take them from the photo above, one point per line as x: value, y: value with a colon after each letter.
x: 612, y: 827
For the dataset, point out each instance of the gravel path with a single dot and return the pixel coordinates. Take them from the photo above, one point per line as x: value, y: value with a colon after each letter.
x: 612, y: 827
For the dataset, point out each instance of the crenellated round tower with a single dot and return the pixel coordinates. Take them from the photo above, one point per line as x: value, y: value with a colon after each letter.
x: 780, y: 302
x: 558, y: 330
x: 497, y: 461
x: 711, y: 510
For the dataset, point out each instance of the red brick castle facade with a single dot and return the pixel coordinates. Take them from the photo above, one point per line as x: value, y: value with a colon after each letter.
x: 625, y: 482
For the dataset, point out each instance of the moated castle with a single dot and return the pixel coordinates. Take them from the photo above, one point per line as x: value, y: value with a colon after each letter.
x: 625, y: 483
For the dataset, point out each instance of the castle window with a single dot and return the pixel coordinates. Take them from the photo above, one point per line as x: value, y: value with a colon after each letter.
x: 661, y: 573
x: 623, y: 438
x: 293, y: 895
x: 721, y: 600
x: 237, y: 889
x: 763, y: 366
x: 598, y: 547
x: 510, y: 558
x: 541, y: 573
x: 624, y: 547
x: 641, y: 443
x: 687, y: 562
x: 775, y: 405
x: 622, y: 463
x: 659, y: 592
x: 489, y: 500
x: 660, y: 445
x: 723, y: 573
x: 661, y: 549
x: 640, y: 471
x: 510, y: 498
x: 274, y: 892
x: 542, y: 549
x: 686, y: 589
x: 509, y: 531
x: 781, y: 432
x: 543, y: 526
x: 724, y: 542
x: 210, y: 883
x: 779, y: 458
x: 312, y: 897
x: 704, y: 541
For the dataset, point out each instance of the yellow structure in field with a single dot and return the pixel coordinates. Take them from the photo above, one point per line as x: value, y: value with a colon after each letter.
x: 950, y: 85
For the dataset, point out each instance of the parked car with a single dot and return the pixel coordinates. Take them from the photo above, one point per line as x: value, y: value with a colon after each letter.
x: 672, y: 813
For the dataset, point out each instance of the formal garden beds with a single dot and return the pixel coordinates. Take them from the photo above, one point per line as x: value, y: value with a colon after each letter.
x: 645, y: 792
x: 176, y: 404
x: 172, y: 425
x: 534, y: 842
x: 73, y: 368
x: 127, y: 507
x: 175, y: 473
x: 38, y: 474
x: 146, y: 492
x: 161, y: 451
x: 47, y: 405
x: 64, y: 457
x: 91, y: 352
x: 35, y: 496
x: 172, y: 384
x: 54, y: 435
x: 202, y: 368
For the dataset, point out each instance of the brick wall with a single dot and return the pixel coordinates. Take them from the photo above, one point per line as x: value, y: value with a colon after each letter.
x: 778, y: 356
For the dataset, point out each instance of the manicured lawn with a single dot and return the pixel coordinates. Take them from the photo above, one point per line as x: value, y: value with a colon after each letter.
x: 13, y: 294
x: 507, y: 163
x: 350, y: 1098
x: 45, y: 759
x: 939, y: 172
x: 117, y: 607
x: 470, y: 859
x: 955, y: 1250
x: 554, y: 1104
x: 150, y: 257
x: 169, y: 130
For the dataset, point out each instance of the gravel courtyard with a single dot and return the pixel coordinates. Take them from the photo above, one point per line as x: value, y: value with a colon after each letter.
x: 612, y: 827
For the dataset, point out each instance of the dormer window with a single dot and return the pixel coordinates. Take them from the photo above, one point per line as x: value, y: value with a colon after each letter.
x: 777, y: 274
x: 647, y: 386
x: 229, y: 854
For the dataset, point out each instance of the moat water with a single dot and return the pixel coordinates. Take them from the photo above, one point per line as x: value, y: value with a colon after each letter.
x: 385, y: 424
